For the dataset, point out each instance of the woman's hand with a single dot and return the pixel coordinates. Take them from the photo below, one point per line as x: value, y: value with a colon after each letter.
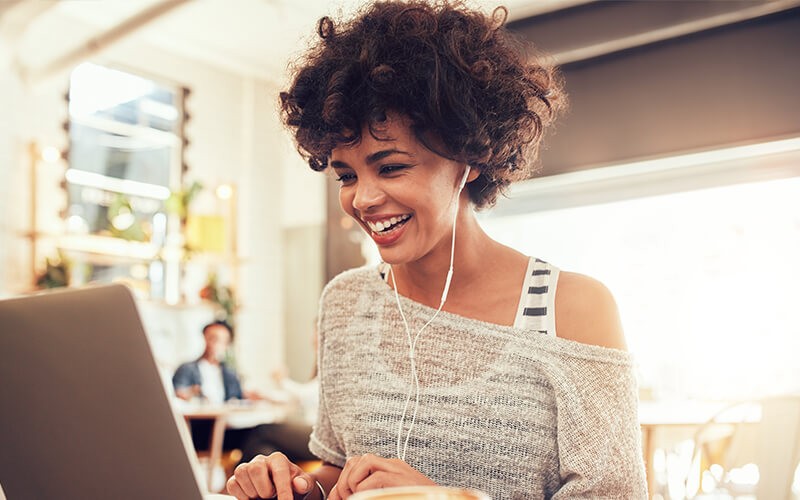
x: 268, y: 477
x: 368, y: 472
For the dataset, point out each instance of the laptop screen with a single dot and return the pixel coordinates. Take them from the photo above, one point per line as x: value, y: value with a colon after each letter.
x: 84, y: 410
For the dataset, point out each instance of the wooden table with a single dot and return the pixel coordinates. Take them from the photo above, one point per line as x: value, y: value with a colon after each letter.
x: 237, y: 415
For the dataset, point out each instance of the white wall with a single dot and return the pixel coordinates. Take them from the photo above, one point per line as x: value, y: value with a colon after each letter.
x: 305, y: 203
x: 303, y: 220
x: 261, y: 339
x: 10, y: 156
x: 28, y: 115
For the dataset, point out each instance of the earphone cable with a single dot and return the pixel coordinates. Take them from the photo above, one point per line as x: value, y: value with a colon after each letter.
x: 413, y: 366
x: 412, y: 344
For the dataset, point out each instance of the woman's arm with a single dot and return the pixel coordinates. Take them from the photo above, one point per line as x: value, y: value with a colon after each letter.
x: 599, y: 438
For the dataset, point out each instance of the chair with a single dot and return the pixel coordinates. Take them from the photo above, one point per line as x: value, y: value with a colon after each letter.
x: 750, y: 448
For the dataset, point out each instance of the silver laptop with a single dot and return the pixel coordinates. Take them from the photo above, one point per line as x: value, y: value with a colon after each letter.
x: 83, y: 411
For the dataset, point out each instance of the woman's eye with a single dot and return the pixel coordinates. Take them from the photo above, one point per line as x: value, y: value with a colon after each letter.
x: 390, y: 169
x: 346, y: 178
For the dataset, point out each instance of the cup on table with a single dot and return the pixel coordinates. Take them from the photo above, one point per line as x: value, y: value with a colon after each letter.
x: 421, y: 493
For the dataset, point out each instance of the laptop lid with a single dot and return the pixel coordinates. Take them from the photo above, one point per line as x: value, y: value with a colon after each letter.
x: 85, y: 413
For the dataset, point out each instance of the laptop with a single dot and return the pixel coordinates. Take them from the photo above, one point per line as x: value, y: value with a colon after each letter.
x: 84, y: 412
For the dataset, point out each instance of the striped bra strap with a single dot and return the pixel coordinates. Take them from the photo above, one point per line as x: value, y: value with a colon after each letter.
x: 536, y: 310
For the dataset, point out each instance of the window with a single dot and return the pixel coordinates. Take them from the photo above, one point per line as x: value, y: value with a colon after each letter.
x: 707, y: 280
x: 125, y: 159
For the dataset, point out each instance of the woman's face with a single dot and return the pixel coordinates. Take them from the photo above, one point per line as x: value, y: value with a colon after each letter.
x: 401, y: 193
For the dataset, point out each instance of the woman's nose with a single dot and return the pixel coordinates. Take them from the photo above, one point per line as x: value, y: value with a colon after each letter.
x: 368, y: 194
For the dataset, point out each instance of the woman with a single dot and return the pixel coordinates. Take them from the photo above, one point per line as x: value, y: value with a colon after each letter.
x: 459, y: 361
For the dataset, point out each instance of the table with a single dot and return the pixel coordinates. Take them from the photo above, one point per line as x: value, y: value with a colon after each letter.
x: 236, y: 415
x: 677, y: 417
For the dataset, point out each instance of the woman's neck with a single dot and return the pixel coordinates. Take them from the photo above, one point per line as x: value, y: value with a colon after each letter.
x: 423, y: 280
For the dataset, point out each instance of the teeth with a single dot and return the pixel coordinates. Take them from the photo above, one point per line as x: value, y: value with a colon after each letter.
x: 384, y: 225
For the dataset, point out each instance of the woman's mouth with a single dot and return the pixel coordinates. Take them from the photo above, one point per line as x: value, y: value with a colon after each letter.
x: 388, y: 225
x: 387, y: 231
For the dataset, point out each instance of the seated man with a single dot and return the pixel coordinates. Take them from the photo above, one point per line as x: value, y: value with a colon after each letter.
x: 210, y: 379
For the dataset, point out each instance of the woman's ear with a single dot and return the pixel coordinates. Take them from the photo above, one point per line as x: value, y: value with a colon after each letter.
x: 473, y: 174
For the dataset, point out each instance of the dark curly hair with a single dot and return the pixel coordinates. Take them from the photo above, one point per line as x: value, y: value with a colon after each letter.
x: 456, y: 73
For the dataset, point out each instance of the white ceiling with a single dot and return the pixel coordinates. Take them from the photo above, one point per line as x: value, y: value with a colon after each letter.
x: 248, y: 37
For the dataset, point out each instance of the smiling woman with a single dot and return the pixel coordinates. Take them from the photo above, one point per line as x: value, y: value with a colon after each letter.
x: 458, y: 361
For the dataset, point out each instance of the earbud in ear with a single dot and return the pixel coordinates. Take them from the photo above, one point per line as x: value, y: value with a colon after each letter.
x: 464, y: 179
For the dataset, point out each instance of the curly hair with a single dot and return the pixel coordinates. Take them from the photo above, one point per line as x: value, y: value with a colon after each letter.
x: 456, y: 73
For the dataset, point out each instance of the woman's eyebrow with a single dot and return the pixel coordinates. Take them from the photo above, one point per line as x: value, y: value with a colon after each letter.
x: 379, y: 155
x: 371, y: 158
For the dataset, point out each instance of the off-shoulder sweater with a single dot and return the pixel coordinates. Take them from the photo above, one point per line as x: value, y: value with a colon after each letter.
x: 514, y: 413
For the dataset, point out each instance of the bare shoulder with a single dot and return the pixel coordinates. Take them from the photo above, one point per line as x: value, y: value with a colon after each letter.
x: 586, y: 312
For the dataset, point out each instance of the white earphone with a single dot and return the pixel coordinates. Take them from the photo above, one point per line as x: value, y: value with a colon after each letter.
x: 453, y: 243
x: 412, y: 343
x: 463, y: 179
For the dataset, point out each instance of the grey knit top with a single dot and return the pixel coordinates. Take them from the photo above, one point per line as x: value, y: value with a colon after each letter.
x: 509, y: 411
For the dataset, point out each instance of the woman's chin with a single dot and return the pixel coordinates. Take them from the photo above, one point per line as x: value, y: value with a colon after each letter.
x: 391, y: 259
x: 392, y: 256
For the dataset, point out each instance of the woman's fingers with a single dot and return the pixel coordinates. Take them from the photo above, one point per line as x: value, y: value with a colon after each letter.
x: 370, y: 471
x: 268, y: 477
x: 362, y: 468
x: 380, y: 479
x: 343, y: 484
x: 242, y: 479
x: 236, y: 490
x: 390, y: 471
x: 302, y: 483
x: 282, y: 479
x: 264, y: 479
